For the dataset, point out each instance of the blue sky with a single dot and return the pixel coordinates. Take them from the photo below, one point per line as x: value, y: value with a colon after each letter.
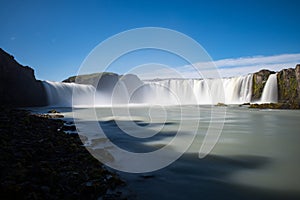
x: 54, y: 37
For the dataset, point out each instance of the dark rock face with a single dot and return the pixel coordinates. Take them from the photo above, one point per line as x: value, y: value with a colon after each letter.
x: 107, y: 82
x: 297, y: 73
x: 18, y: 86
x: 259, y: 80
x: 132, y: 83
x: 287, y: 86
x: 287, y: 105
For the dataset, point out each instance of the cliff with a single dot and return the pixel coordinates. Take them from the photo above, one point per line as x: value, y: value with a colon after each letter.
x: 287, y: 86
x: 18, y: 86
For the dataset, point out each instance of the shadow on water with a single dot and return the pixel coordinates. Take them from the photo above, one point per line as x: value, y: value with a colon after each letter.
x: 189, y: 177
x: 208, y: 178
x: 117, y: 136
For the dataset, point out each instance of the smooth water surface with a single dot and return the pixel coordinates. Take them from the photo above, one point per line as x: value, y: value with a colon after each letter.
x: 257, y: 155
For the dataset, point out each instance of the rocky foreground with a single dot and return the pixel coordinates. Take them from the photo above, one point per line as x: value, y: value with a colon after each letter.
x: 40, y: 161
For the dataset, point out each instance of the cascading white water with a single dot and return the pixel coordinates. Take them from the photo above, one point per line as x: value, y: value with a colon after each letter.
x: 234, y: 90
x: 270, y: 91
x: 60, y: 94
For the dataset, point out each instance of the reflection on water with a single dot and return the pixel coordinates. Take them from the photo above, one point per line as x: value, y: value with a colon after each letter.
x: 257, y: 155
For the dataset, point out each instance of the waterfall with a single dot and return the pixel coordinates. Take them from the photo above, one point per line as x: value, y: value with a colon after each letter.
x: 60, y: 94
x: 270, y: 91
x: 235, y: 90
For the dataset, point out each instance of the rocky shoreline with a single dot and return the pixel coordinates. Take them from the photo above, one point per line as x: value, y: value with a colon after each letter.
x: 40, y: 161
x: 287, y: 105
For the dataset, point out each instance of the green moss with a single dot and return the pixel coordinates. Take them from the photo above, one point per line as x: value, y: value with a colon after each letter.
x: 287, y: 88
x: 86, y: 78
x: 257, y: 88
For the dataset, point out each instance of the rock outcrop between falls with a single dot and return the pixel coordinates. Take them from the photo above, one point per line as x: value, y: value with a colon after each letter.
x: 288, y: 85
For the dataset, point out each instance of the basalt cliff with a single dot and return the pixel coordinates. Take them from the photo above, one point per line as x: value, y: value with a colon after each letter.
x: 18, y: 86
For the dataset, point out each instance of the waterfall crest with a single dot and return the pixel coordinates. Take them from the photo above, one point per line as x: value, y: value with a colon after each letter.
x: 235, y: 90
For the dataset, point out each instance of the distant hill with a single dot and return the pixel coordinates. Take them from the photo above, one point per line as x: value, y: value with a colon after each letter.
x: 106, y: 81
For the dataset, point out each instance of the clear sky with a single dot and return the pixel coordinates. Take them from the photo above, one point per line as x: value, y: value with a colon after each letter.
x: 55, y: 36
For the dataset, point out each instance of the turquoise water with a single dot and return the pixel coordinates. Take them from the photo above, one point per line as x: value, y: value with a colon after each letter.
x: 256, y: 156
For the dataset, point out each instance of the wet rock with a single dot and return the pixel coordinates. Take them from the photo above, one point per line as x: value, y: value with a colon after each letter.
x: 39, y: 162
x: 244, y: 104
x: 287, y: 105
x: 221, y: 104
x: 53, y: 111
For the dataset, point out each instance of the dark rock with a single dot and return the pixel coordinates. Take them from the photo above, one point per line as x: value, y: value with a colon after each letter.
x: 18, y: 86
x: 297, y: 73
x: 287, y: 86
x: 246, y: 104
x: 287, y: 105
x: 221, y: 104
x: 53, y: 111
x: 107, y: 82
x: 132, y: 82
x: 68, y: 128
x: 51, y: 116
x: 39, y: 162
